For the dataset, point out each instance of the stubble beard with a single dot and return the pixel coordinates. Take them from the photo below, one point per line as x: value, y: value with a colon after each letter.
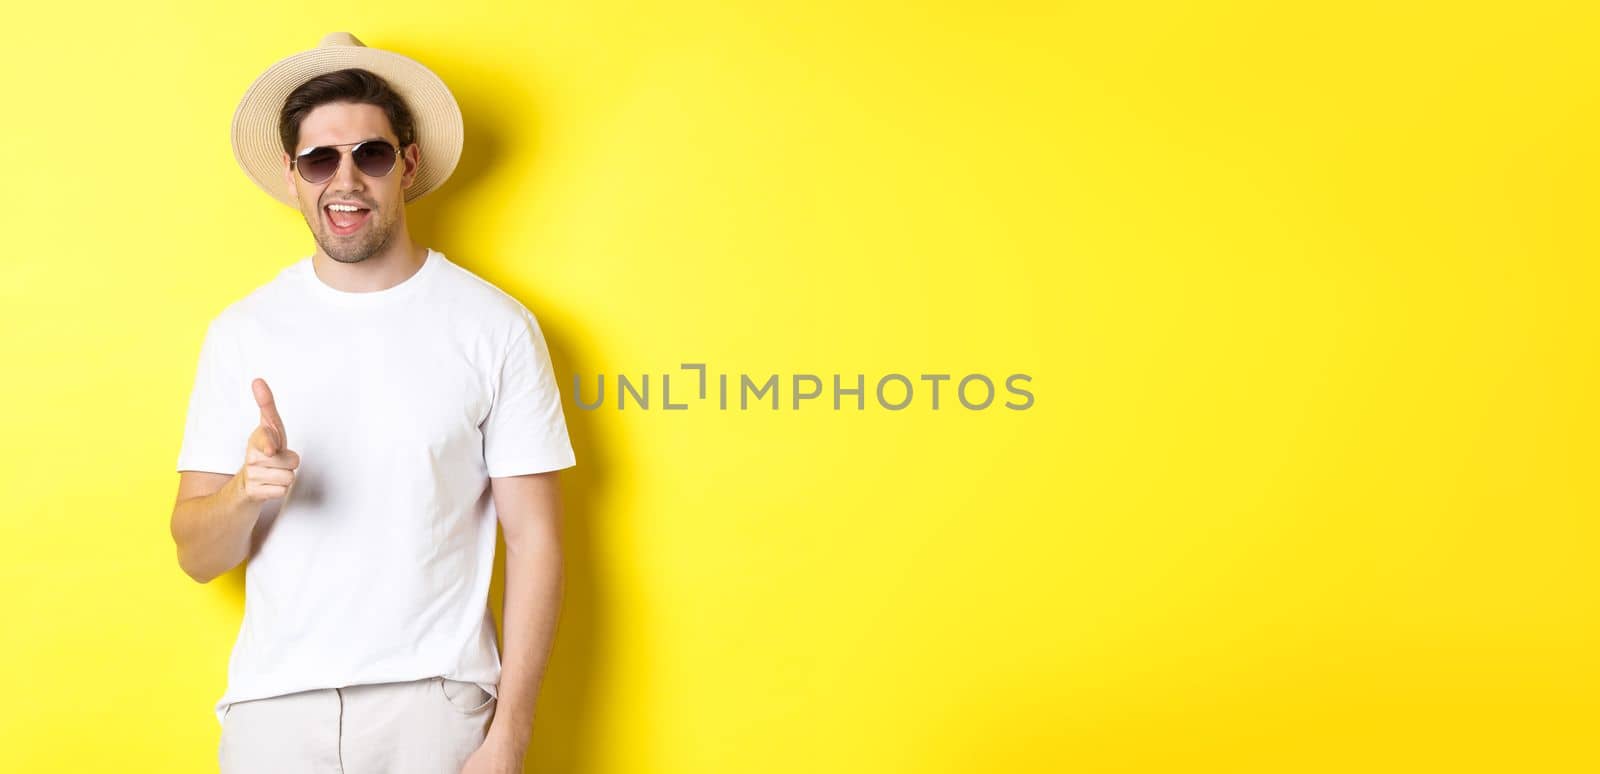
x: 357, y: 247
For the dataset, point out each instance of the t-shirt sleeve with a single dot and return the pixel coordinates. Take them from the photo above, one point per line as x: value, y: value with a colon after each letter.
x: 526, y: 429
x: 215, y: 432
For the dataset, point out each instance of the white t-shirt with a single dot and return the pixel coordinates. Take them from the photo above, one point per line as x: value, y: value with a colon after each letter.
x: 401, y: 403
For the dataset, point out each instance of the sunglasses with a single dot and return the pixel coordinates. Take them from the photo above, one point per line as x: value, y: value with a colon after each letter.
x: 373, y: 157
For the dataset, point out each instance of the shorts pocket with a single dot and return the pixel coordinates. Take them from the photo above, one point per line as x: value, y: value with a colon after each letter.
x: 464, y: 697
x: 223, y: 758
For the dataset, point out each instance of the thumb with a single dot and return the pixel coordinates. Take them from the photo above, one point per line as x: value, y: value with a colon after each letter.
x: 269, y: 411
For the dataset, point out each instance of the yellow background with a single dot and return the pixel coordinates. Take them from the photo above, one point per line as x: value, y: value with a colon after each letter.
x: 1307, y: 292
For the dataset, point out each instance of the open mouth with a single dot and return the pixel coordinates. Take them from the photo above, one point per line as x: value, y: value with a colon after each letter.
x: 344, y: 222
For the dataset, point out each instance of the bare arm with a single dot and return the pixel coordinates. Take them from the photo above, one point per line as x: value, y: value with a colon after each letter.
x: 530, y: 515
x: 211, y: 523
x: 216, y: 513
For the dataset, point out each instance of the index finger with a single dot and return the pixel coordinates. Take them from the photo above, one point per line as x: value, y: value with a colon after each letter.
x: 269, y: 411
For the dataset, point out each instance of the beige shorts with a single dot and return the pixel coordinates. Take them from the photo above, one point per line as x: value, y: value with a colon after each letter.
x: 427, y: 726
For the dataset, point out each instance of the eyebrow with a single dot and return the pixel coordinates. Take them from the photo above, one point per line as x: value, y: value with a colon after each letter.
x: 309, y: 148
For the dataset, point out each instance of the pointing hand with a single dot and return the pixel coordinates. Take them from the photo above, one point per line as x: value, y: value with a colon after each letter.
x: 269, y: 465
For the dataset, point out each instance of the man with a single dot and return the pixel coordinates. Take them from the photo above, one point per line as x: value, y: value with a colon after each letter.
x: 423, y: 411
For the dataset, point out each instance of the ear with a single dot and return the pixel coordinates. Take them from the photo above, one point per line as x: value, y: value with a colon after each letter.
x: 413, y: 160
x: 288, y: 176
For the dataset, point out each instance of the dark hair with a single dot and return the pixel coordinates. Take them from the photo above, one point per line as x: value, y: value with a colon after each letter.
x: 351, y: 85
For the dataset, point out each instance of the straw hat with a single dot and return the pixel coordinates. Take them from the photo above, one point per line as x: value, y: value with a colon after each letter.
x: 256, y: 144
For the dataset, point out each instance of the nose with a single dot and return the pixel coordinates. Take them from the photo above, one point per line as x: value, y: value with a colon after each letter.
x: 346, y: 177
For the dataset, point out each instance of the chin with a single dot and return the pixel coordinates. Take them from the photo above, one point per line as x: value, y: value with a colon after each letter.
x: 350, y: 250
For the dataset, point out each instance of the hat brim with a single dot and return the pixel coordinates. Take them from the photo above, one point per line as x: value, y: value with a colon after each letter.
x: 437, y: 117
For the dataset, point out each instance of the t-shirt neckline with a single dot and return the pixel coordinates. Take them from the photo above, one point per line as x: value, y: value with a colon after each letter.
x: 387, y: 295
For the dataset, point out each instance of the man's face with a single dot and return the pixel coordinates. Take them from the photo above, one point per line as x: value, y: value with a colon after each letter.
x: 342, y: 123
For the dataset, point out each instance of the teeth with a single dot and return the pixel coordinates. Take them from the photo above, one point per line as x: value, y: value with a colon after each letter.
x: 342, y: 208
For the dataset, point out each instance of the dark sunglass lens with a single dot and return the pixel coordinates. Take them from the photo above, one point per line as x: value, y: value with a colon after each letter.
x: 375, y: 159
x: 319, y: 164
